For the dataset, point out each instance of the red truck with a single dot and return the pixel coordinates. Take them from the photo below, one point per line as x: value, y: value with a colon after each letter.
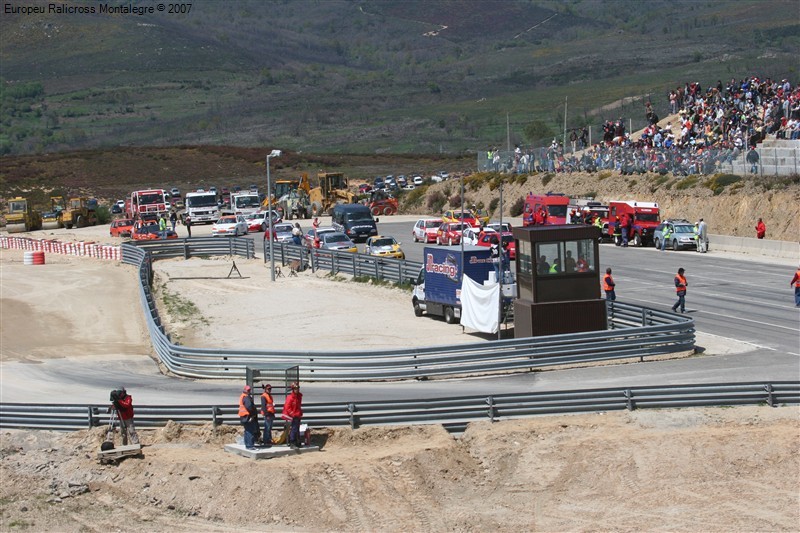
x: 545, y: 209
x: 644, y: 217
x: 148, y: 202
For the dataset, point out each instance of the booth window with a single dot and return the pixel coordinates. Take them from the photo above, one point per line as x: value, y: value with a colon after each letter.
x: 524, y: 257
x: 565, y: 257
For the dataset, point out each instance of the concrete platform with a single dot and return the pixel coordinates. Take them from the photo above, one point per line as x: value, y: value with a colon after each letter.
x: 261, y: 452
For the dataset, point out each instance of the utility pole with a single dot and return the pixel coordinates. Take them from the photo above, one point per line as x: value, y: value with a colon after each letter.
x: 508, y: 133
x: 502, y: 272
x: 565, y: 124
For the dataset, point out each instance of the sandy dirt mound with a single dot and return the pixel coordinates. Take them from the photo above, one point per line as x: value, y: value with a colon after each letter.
x: 678, y: 470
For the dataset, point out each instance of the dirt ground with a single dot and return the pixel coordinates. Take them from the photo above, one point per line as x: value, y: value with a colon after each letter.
x: 723, y: 469
x: 668, y: 470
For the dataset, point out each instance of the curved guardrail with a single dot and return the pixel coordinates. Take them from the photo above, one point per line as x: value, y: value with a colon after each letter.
x: 454, y: 412
x: 636, y: 332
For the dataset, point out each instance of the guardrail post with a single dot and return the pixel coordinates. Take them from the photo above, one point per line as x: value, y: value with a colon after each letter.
x: 185, y: 249
x: 216, y: 413
x: 770, y: 399
x: 230, y: 245
x: 313, y: 258
x: 92, y: 411
x: 355, y: 255
x: 629, y: 397
x: 377, y: 266
x: 490, y: 403
x: 644, y: 316
x: 351, y: 409
x: 610, y: 313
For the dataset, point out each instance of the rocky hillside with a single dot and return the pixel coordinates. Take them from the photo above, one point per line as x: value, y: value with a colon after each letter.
x: 729, y: 204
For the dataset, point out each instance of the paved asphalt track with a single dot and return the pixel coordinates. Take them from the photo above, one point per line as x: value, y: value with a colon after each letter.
x: 735, y: 300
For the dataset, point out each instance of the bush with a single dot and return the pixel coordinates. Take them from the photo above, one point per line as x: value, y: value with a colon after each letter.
x: 103, y: 214
x: 522, y: 179
x: 686, y: 183
x: 547, y: 178
x: 436, y: 201
x: 455, y: 200
x: 493, y: 204
x: 603, y: 175
x: 517, y: 207
x: 718, y: 182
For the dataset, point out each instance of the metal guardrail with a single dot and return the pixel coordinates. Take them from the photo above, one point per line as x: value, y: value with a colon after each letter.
x: 355, y: 264
x: 454, y: 413
x: 198, y: 247
x: 635, y: 332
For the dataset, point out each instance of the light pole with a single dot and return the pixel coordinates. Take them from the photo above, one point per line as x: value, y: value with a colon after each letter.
x: 274, y: 153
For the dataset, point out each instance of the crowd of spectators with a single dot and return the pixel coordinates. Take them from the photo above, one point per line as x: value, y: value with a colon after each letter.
x: 713, y: 128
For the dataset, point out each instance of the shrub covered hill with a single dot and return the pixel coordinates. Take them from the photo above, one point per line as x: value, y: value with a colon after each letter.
x: 424, y: 76
x: 99, y: 104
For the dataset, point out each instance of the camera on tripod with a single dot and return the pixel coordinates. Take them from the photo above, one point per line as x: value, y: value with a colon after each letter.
x: 116, y: 395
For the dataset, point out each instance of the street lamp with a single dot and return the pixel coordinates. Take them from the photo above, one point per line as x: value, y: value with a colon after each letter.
x: 274, y: 153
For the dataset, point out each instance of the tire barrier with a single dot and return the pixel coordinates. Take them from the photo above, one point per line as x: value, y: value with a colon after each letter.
x: 108, y: 252
x: 33, y: 258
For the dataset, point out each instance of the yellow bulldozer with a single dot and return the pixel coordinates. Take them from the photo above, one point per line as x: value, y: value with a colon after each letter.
x: 21, y: 217
x: 54, y: 218
x: 332, y: 190
x: 80, y: 212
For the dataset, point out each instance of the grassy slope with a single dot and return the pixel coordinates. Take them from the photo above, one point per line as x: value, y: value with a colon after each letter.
x: 340, y: 76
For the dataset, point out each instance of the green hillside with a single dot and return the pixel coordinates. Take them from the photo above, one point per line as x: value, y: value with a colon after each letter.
x: 368, y: 76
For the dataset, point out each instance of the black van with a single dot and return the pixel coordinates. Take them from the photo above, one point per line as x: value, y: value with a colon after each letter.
x: 354, y: 220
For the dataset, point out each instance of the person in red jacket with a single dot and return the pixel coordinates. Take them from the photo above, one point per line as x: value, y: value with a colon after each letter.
x: 123, y: 403
x: 761, y: 229
x: 293, y: 410
x: 796, y: 283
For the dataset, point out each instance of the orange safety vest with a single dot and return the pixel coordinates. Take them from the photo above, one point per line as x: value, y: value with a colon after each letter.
x: 242, y: 409
x: 606, y: 285
x: 270, y: 403
x: 797, y: 278
x: 681, y: 287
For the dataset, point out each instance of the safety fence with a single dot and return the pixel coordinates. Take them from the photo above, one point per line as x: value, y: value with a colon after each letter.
x: 54, y: 246
x: 454, y: 412
x: 198, y: 247
x: 635, y: 333
x: 336, y: 262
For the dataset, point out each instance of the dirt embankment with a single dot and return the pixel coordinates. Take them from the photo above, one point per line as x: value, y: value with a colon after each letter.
x: 681, y: 470
x: 734, y: 211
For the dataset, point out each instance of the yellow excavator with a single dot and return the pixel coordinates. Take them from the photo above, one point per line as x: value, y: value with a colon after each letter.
x: 21, y: 217
x: 332, y: 190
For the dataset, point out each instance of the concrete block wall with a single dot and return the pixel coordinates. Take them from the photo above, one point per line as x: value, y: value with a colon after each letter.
x: 753, y: 246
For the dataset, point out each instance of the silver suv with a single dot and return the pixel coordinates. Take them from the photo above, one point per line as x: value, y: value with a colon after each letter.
x: 681, y: 235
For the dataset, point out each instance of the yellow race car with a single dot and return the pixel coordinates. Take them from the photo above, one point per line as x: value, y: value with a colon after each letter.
x: 382, y: 246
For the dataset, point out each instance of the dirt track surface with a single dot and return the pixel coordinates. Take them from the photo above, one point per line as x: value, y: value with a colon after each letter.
x: 682, y: 470
x: 719, y: 469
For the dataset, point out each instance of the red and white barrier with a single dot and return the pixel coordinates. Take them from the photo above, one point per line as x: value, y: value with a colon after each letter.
x: 109, y: 252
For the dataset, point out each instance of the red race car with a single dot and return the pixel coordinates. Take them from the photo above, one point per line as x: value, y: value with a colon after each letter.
x: 121, y: 227
x: 144, y: 231
x: 449, y: 233
x: 485, y: 239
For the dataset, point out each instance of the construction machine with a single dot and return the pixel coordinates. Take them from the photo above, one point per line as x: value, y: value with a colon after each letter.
x: 54, y: 218
x: 80, y: 212
x: 332, y: 190
x: 21, y: 217
x: 293, y: 199
x: 382, y: 203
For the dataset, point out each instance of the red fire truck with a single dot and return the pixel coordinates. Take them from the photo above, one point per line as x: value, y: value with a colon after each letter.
x: 544, y: 209
x: 147, y: 203
x: 644, y: 217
